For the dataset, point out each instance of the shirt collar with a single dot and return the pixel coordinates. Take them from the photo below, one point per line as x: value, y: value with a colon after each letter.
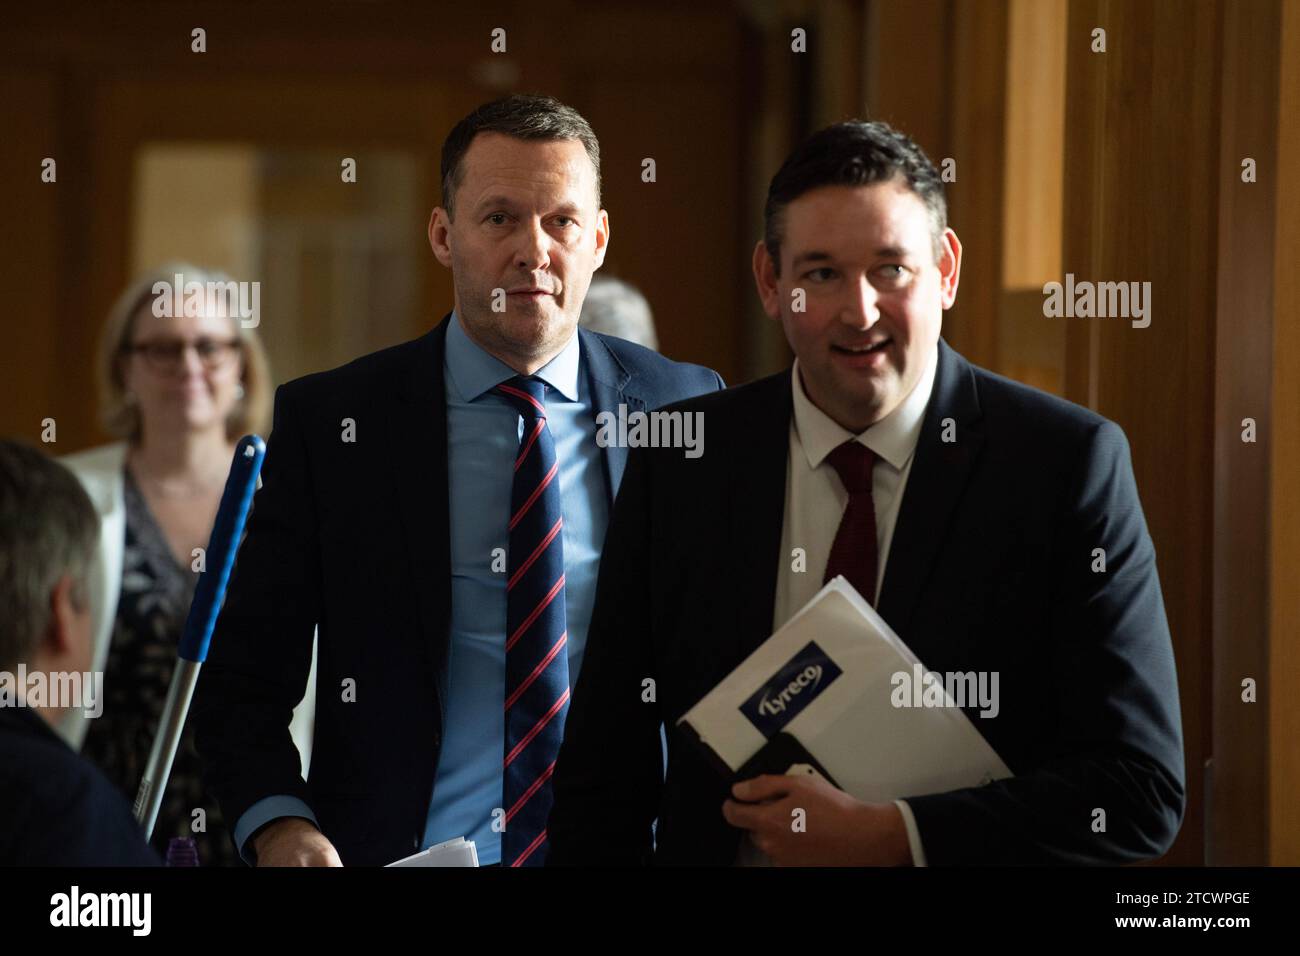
x: 893, y: 438
x: 472, y: 371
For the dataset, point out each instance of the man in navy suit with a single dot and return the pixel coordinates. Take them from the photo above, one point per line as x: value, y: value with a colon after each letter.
x: 997, y: 529
x: 56, y: 809
x: 395, y: 514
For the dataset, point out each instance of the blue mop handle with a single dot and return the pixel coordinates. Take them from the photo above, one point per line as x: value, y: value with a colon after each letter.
x: 210, y: 592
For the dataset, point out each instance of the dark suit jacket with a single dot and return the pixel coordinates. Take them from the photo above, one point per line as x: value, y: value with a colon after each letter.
x: 354, y: 537
x: 989, y: 569
x: 56, y: 808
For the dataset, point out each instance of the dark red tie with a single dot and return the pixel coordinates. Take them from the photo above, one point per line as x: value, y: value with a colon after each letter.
x: 854, y: 552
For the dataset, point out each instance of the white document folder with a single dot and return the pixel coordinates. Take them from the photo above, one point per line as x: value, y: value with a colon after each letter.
x: 457, y: 852
x: 827, y: 679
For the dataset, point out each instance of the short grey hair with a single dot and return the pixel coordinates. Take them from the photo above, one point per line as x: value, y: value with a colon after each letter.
x: 48, y: 528
x: 616, y: 308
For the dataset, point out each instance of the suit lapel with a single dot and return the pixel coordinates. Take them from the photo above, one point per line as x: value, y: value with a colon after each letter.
x: 757, y: 510
x: 418, y: 439
x: 609, y: 382
x: 936, y: 483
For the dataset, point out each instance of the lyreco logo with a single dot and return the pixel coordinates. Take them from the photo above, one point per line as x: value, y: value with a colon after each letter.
x: 790, y: 690
x: 810, y: 676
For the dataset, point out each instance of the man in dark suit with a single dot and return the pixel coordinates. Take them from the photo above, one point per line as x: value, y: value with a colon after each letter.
x: 56, y: 809
x: 437, y: 509
x: 999, y: 526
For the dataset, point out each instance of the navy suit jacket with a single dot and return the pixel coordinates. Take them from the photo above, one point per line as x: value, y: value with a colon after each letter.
x: 990, y: 569
x: 354, y: 537
x: 56, y: 808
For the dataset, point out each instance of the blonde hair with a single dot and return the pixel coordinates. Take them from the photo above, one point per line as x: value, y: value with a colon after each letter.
x: 121, y: 417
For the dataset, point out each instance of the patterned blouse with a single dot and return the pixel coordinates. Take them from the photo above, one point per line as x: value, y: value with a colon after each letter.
x: 151, y: 612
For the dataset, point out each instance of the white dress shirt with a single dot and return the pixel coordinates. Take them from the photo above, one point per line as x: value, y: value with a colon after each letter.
x: 815, y: 500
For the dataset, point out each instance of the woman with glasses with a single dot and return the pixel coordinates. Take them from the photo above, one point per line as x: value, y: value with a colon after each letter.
x: 178, y: 391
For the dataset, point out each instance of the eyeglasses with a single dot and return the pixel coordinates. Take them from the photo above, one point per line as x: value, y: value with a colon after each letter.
x: 165, y: 355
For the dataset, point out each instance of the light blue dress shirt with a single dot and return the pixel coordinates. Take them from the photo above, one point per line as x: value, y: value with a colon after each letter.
x: 483, y: 432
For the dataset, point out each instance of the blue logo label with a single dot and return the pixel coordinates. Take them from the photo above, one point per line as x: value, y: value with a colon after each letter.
x: 790, y: 690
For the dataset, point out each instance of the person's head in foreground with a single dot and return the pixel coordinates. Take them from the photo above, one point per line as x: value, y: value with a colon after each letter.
x: 48, y: 533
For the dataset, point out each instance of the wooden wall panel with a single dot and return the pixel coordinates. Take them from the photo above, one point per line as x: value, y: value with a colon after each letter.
x: 1238, y: 833
x: 1141, y: 177
x: 30, y: 272
x: 1284, y: 477
x: 977, y: 121
x: 909, y: 73
x: 1035, y: 134
x: 682, y: 239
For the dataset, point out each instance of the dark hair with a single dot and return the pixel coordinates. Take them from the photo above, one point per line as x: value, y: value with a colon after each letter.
x: 48, y: 528
x: 853, y: 153
x: 522, y: 116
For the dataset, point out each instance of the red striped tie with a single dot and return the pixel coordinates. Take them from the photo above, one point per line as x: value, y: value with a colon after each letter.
x: 537, y: 659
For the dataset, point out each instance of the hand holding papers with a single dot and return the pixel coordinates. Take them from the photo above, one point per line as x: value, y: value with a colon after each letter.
x: 827, y: 690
